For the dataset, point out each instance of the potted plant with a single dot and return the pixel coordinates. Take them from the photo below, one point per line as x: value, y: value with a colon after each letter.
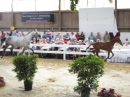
x: 88, y: 69
x: 2, y: 82
x: 25, y: 68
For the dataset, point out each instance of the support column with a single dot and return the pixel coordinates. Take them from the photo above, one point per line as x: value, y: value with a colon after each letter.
x: 116, y: 10
x: 59, y: 15
x: 12, y: 16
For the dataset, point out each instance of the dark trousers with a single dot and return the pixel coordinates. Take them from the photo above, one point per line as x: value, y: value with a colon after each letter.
x: 2, y: 40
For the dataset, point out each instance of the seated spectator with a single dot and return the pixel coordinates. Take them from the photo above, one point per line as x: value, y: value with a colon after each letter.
x: 57, y: 41
x: 77, y: 35
x: 80, y: 42
x: 98, y: 37
x: 70, y: 42
x: 52, y: 42
x: 47, y: 40
x: 2, y: 37
x: 91, y: 37
x: 86, y: 41
x: 72, y: 36
x: 127, y: 40
x: 82, y: 36
x: 66, y: 37
x: 9, y: 33
x: 71, y: 49
x: 46, y: 48
x: 75, y: 41
x: 21, y: 34
x: 38, y: 41
x: 126, y: 44
x: 33, y: 42
x: 43, y: 41
x: 49, y: 35
x: 15, y: 34
x: 44, y: 35
x: 106, y: 37
x: 117, y: 44
x: 58, y: 36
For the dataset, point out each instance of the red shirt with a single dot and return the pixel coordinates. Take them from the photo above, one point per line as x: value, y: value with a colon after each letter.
x: 3, y: 35
x: 77, y: 36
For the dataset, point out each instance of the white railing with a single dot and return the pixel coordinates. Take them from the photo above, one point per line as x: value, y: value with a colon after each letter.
x: 63, y: 49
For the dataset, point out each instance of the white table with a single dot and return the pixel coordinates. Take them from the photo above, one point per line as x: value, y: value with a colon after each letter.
x: 120, y: 55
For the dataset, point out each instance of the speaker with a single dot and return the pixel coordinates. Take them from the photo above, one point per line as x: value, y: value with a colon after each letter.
x: 52, y: 18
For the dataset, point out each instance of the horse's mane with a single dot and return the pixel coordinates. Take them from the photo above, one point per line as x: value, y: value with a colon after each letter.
x: 116, y: 38
x: 28, y: 33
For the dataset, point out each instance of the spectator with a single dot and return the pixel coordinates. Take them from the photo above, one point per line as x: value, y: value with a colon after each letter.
x: 44, y: 35
x: 86, y: 41
x: 126, y: 44
x: 47, y: 40
x: 33, y: 42
x: 2, y: 37
x: 91, y: 37
x: 98, y: 37
x: 106, y: 37
x: 82, y: 36
x: 72, y: 36
x: 66, y: 37
x: 21, y: 34
x: 77, y: 35
x: 49, y: 35
x: 58, y: 36
x: 15, y: 34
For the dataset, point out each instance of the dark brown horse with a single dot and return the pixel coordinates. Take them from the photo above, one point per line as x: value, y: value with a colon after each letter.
x: 108, y: 46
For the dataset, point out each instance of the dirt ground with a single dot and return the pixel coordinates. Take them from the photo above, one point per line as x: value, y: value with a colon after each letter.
x: 53, y: 79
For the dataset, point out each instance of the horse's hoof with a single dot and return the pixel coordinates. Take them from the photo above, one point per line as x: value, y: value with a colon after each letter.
x: 105, y: 60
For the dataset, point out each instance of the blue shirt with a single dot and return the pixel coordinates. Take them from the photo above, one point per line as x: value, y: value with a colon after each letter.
x: 91, y: 37
x: 15, y: 34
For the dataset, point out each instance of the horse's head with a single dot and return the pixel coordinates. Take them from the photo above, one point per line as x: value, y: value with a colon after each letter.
x: 36, y: 33
x: 119, y: 41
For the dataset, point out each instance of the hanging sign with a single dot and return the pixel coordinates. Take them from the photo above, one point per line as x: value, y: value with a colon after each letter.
x: 12, y: 28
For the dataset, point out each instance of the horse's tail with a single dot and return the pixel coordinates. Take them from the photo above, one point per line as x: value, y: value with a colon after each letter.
x: 89, y: 46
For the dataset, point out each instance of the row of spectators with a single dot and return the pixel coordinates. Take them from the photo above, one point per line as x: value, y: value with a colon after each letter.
x: 78, y: 36
x: 69, y: 38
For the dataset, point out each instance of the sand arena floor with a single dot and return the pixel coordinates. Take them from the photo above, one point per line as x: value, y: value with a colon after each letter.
x: 53, y: 79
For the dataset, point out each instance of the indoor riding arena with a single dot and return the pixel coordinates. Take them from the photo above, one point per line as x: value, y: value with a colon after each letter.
x: 60, y: 32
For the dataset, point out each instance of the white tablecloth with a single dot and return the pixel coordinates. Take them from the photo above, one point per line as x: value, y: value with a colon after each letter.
x: 120, y: 55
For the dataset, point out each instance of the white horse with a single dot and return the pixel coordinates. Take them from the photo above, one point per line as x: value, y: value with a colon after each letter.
x: 22, y: 41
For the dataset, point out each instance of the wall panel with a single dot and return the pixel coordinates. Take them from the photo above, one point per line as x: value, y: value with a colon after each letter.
x: 69, y: 21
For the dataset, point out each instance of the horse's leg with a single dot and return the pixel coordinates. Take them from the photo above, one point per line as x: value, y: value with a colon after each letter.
x: 32, y: 50
x: 97, y: 53
x: 11, y: 49
x: 107, y: 56
x: 23, y: 50
x: 93, y: 51
x: 112, y: 55
x: 28, y: 48
x: 4, y: 50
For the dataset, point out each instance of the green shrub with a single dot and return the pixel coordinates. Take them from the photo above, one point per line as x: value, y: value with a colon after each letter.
x: 25, y: 67
x: 88, y: 70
